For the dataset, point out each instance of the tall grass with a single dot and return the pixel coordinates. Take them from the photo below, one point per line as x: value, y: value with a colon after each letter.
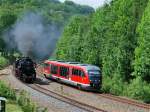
x: 25, y: 102
x: 6, y: 91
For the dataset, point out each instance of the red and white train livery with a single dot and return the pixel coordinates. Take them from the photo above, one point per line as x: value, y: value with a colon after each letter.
x: 83, y: 76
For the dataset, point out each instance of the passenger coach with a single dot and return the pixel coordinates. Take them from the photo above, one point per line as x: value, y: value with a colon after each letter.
x: 84, y: 76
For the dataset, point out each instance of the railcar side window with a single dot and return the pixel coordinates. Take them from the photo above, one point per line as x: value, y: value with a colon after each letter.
x: 64, y: 71
x: 77, y: 72
x: 54, y: 69
x: 74, y: 71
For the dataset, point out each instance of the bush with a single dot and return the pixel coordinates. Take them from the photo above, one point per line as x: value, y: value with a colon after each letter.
x: 6, y: 91
x: 113, y: 85
x: 3, y: 62
x: 106, y: 85
x: 23, y: 98
x: 139, y: 90
x: 25, y: 102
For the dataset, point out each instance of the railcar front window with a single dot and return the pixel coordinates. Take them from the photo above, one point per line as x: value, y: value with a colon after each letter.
x: 94, y: 74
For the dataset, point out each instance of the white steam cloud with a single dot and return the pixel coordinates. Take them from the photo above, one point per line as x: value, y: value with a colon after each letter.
x: 32, y: 37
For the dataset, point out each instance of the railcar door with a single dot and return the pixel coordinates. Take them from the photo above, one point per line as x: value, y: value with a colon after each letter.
x: 74, y: 76
x: 77, y: 75
x: 83, y: 78
x: 54, y: 70
x: 46, y: 69
x: 64, y: 72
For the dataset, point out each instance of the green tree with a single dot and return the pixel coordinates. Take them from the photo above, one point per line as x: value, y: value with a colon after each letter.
x: 121, y: 40
x: 142, y: 52
x: 70, y: 45
x: 95, y: 36
x: 7, y: 18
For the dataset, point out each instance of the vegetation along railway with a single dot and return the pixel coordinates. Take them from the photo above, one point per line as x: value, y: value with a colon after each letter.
x: 77, y: 74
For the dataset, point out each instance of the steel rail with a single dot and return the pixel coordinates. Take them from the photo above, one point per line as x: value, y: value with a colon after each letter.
x: 126, y: 101
x: 65, y: 99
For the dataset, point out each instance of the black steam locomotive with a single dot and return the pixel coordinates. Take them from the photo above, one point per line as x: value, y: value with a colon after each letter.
x: 24, y: 69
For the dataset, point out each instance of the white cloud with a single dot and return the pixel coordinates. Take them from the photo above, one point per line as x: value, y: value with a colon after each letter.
x: 93, y: 3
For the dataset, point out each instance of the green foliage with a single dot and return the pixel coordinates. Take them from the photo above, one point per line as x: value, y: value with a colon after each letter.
x: 121, y: 39
x: 12, y: 106
x: 25, y: 102
x: 138, y: 89
x: 114, y: 86
x: 3, y: 62
x: 142, y: 52
x: 23, y: 99
x: 72, y: 51
x: 6, y: 91
x: 7, y: 18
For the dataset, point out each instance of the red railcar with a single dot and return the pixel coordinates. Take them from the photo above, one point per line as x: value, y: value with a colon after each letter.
x: 83, y: 76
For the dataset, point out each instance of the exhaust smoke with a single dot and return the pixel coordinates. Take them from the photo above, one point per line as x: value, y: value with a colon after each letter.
x: 33, y: 37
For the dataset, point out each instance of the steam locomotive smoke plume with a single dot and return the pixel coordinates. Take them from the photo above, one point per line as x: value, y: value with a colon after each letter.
x: 32, y: 37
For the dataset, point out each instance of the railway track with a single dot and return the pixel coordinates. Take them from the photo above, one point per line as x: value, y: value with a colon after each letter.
x: 62, y: 98
x: 126, y: 101
x: 118, y: 99
x: 87, y: 107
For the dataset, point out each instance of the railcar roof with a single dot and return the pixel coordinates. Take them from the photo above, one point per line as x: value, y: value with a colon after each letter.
x: 85, y: 66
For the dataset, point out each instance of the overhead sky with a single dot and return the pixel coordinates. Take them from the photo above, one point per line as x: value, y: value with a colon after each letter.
x: 92, y: 3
